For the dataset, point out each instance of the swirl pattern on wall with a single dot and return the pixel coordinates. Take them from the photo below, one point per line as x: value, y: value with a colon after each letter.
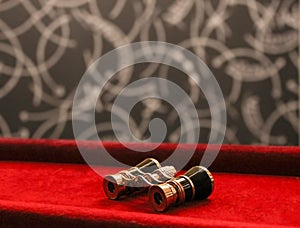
x: 250, y: 46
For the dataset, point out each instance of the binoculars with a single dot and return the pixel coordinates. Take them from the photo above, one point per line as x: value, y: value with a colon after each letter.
x: 164, y: 189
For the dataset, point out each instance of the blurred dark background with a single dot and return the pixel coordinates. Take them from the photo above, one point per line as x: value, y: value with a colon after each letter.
x: 46, y: 46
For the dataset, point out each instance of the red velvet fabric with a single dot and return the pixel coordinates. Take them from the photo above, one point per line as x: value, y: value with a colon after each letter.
x: 38, y: 188
x: 273, y: 160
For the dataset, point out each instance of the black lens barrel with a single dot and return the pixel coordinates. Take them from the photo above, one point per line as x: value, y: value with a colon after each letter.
x: 196, y: 184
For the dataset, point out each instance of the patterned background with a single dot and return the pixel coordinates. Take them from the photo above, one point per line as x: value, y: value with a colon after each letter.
x: 250, y: 46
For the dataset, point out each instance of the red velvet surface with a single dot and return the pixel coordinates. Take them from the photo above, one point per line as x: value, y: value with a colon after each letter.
x: 75, y: 191
x: 273, y: 160
x: 43, y: 194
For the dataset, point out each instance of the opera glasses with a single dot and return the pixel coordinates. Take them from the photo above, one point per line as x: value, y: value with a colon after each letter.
x: 137, y: 179
x: 196, y: 184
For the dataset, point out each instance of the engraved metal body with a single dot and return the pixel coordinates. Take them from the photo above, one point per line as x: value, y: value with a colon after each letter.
x: 196, y: 184
x: 137, y: 178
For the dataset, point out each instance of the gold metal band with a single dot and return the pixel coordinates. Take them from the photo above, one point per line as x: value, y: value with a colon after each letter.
x: 192, y: 186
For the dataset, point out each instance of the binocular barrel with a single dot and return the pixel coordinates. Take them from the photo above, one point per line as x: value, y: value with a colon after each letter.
x: 137, y: 178
x: 196, y: 184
